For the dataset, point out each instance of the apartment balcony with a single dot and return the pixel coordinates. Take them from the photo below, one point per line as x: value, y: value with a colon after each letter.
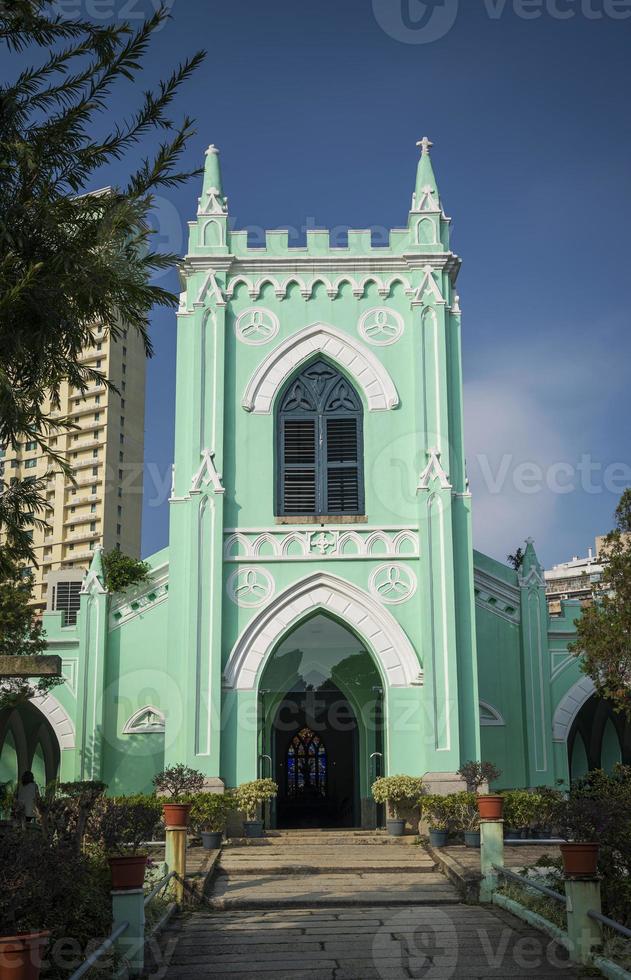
x: 93, y: 390
x: 87, y: 498
x: 85, y: 535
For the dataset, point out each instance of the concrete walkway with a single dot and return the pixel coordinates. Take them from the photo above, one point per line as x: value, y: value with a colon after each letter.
x: 303, y: 907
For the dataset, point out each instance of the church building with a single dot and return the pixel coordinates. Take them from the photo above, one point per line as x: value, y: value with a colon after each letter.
x: 319, y: 615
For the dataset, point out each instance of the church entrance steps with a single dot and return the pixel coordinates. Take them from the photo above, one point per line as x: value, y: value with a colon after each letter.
x: 306, y: 858
x: 288, y: 873
x: 324, y: 890
x: 374, y: 943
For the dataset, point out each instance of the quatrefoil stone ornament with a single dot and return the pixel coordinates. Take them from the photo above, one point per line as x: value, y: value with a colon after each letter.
x: 250, y: 587
x: 256, y: 326
x: 381, y: 326
x: 393, y: 583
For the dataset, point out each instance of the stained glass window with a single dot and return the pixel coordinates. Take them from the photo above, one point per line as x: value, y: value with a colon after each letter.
x: 306, y: 765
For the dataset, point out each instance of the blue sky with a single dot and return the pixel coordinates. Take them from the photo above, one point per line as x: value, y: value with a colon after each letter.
x: 317, y: 107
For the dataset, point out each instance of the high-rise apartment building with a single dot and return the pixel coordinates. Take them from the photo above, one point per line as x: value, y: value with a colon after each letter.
x: 102, y: 504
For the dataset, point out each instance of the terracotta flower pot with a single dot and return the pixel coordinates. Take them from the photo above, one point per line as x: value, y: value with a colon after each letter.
x: 490, y: 807
x: 21, y: 956
x: 128, y: 871
x: 580, y: 860
x: 176, y: 814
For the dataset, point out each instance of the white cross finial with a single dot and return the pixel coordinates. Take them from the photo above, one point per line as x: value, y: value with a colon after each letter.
x: 425, y: 144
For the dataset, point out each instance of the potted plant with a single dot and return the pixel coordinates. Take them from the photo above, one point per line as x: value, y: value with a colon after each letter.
x: 583, y: 822
x: 65, y: 810
x: 124, y: 827
x: 438, y: 810
x: 551, y: 803
x: 466, y: 817
x: 178, y: 783
x: 476, y: 775
x: 209, y: 815
x: 402, y: 794
x: 249, y: 797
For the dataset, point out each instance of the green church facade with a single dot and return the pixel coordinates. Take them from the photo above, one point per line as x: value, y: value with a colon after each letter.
x: 320, y: 576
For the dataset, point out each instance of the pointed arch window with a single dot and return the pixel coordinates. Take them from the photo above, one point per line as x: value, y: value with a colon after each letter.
x: 320, y: 444
x: 306, y: 765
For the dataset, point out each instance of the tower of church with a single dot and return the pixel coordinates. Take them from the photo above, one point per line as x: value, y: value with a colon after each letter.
x: 319, y: 474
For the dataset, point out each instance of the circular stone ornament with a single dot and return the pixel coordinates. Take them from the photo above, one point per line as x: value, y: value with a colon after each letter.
x: 256, y: 326
x: 381, y: 326
x: 250, y: 587
x: 392, y: 583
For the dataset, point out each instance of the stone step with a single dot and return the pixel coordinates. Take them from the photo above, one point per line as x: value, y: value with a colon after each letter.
x: 326, y: 890
x: 298, y: 839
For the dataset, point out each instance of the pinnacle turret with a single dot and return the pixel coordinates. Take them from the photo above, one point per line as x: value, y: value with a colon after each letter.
x: 212, y: 200
x: 426, y: 197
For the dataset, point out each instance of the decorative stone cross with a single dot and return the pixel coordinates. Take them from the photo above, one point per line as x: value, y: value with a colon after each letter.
x: 425, y: 145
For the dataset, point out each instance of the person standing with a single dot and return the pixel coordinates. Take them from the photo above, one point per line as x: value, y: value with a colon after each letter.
x: 28, y: 795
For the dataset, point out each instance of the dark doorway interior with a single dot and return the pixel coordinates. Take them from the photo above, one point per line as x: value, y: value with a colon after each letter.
x: 314, y: 737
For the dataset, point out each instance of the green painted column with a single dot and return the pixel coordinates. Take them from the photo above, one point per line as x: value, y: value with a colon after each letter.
x: 491, y: 856
x: 93, y: 629
x: 536, y: 670
x: 129, y: 906
x: 585, y: 933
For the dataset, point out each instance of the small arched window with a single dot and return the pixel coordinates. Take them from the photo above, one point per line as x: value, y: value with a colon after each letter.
x: 320, y: 455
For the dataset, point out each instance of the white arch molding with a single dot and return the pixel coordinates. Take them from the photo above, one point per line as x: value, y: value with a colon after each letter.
x: 58, y: 718
x: 569, y: 706
x: 320, y: 338
x: 351, y: 605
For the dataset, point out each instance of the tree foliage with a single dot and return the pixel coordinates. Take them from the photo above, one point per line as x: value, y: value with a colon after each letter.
x: 517, y: 559
x: 72, y: 259
x: 21, y: 635
x: 121, y: 571
x: 603, y: 640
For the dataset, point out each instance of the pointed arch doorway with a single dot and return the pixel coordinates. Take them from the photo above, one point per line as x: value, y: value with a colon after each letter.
x: 321, y: 726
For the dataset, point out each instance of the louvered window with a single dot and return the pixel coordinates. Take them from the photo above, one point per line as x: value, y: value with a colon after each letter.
x: 320, y: 445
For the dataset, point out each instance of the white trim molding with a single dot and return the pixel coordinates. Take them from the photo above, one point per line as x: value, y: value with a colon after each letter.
x: 58, y: 719
x: 492, y: 717
x: 569, y: 706
x: 145, y: 721
x: 383, y: 636
x: 320, y: 338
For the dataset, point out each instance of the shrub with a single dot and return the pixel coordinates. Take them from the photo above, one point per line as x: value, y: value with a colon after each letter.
x: 477, y: 773
x: 179, y: 781
x: 522, y: 809
x: 46, y: 885
x: 401, y: 793
x: 209, y: 811
x: 123, y: 825
x: 249, y: 796
x: 465, y: 811
x: 597, y: 809
x: 65, y: 810
x: 440, y: 811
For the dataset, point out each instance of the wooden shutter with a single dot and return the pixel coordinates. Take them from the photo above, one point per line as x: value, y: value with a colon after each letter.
x: 343, y: 492
x: 299, y: 466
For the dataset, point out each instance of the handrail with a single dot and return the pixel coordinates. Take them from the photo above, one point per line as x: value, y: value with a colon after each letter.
x: 610, y: 923
x: 158, y: 888
x: 528, y: 883
x: 103, y: 948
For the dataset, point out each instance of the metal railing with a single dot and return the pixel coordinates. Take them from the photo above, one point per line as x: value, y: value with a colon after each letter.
x: 528, y: 883
x: 610, y: 923
x: 98, y: 953
x: 158, y: 888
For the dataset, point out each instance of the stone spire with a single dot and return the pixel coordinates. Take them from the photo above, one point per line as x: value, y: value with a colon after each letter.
x: 94, y: 580
x: 212, y: 200
x: 426, y: 197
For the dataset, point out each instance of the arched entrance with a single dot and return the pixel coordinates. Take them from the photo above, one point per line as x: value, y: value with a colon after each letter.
x: 27, y: 741
x: 598, y: 738
x: 321, y: 734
